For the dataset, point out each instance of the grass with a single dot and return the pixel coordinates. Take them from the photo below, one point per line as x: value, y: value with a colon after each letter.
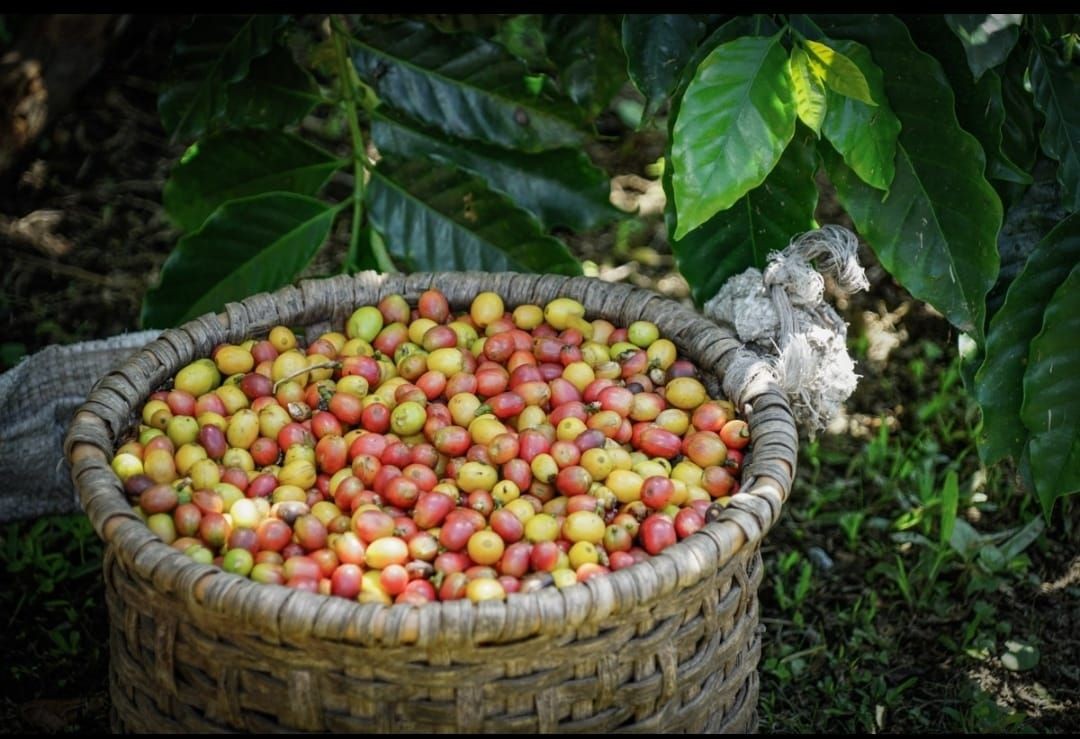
x: 54, y: 651
x: 886, y: 579
x: 884, y: 583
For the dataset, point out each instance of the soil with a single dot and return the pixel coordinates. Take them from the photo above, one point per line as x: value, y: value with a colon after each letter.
x: 83, y: 234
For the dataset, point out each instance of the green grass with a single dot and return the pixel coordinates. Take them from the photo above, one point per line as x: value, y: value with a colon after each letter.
x: 886, y: 577
x: 53, y: 658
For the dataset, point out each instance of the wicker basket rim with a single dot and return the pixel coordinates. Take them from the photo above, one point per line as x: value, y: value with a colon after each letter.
x: 288, y: 614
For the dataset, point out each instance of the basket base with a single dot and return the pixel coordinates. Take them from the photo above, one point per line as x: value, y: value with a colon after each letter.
x: 686, y: 665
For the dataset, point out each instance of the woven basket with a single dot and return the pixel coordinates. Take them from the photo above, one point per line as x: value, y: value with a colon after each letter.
x: 668, y: 645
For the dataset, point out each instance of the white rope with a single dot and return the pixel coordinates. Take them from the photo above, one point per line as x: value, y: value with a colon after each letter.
x: 792, y: 336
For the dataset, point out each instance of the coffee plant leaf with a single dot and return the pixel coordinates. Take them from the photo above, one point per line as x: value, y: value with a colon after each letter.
x: 465, y: 86
x: 246, y: 246
x: 561, y: 187
x: 734, y: 122
x: 439, y: 218
x: 211, y: 53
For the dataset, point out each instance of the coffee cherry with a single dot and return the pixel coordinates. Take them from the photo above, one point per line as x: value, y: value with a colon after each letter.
x: 497, y: 451
x: 199, y: 377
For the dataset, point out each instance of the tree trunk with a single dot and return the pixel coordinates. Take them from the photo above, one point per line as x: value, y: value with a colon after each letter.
x: 53, y: 58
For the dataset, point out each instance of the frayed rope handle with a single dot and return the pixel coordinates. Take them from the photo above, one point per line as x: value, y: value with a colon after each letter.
x: 791, y: 336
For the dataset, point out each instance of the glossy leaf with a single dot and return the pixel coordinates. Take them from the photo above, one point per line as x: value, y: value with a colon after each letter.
x: 735, y: 28
x: 237, y: 164
x: 999, y: 383
x: 1055, y: 457
x: 1056, y: 87
x: 763, y: 220
x: 277, y: 92
x: 587, y: 51
x: 980, y: 106
x: 936, y: 229
x: 1027, y: 222
x: 1019, y: 140
x: 657, y: 50
x: 438, y: 218
x: 463, y: 85
x: 560, y: 187
x: 864, y: 135
x: 734, y: 121
x: 1051, y: 409
x: 211, y: 53
x: 247, y: 246
x: 808, y: 90
x: 987, y: 37
x: 838, y: 73
x: 988, y: 97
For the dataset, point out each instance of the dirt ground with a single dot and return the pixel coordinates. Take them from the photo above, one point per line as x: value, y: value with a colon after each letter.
x: 82, y: 235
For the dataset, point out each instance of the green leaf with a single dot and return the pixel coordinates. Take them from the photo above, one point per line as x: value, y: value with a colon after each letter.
x: 247, y: 246
x: 277, y: 92
x: 864, y: 135
x: 965, y: 540
x: 1019, y: 141
x: 1051, y: 407
x: 523, y: 36
x: 1055, y: 457
x: 211, y: 53
x: 987, y: 37
x: 999, y: 383
x: 808, y: 90
x: 438, y: 218
x: 710, y: 238
x: 840, y: 74
x: 950, y: 495
x: 735, y: 28
x: 588, y: 53
x: 237, y: 164
x: 463, y: 85
x: 936, y: 230
x: 1056, y: 87
x: 1027, y: 535
x: 560, y: 187
x: 734, y: 121
x: 988, y: 98
x: 1027, y: 222
x: 763, y: 220
x: 657, y: 50
x: 980, y: 106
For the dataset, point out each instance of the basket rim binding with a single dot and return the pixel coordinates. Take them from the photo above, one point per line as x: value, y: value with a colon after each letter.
x: 286, y: 614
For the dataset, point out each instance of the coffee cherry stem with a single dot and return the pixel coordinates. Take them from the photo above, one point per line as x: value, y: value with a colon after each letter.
x: 329, y: 364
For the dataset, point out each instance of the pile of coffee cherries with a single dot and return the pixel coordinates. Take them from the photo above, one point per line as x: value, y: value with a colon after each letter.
x: 422, y: 455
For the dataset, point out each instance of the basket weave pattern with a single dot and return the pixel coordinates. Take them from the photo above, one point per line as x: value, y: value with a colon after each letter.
x: 671, y: 644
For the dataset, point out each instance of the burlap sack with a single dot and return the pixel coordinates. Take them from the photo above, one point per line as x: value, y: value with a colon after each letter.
x: 37, y: 400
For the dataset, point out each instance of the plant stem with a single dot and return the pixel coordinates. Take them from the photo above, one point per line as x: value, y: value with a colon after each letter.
x: 348, y: 88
